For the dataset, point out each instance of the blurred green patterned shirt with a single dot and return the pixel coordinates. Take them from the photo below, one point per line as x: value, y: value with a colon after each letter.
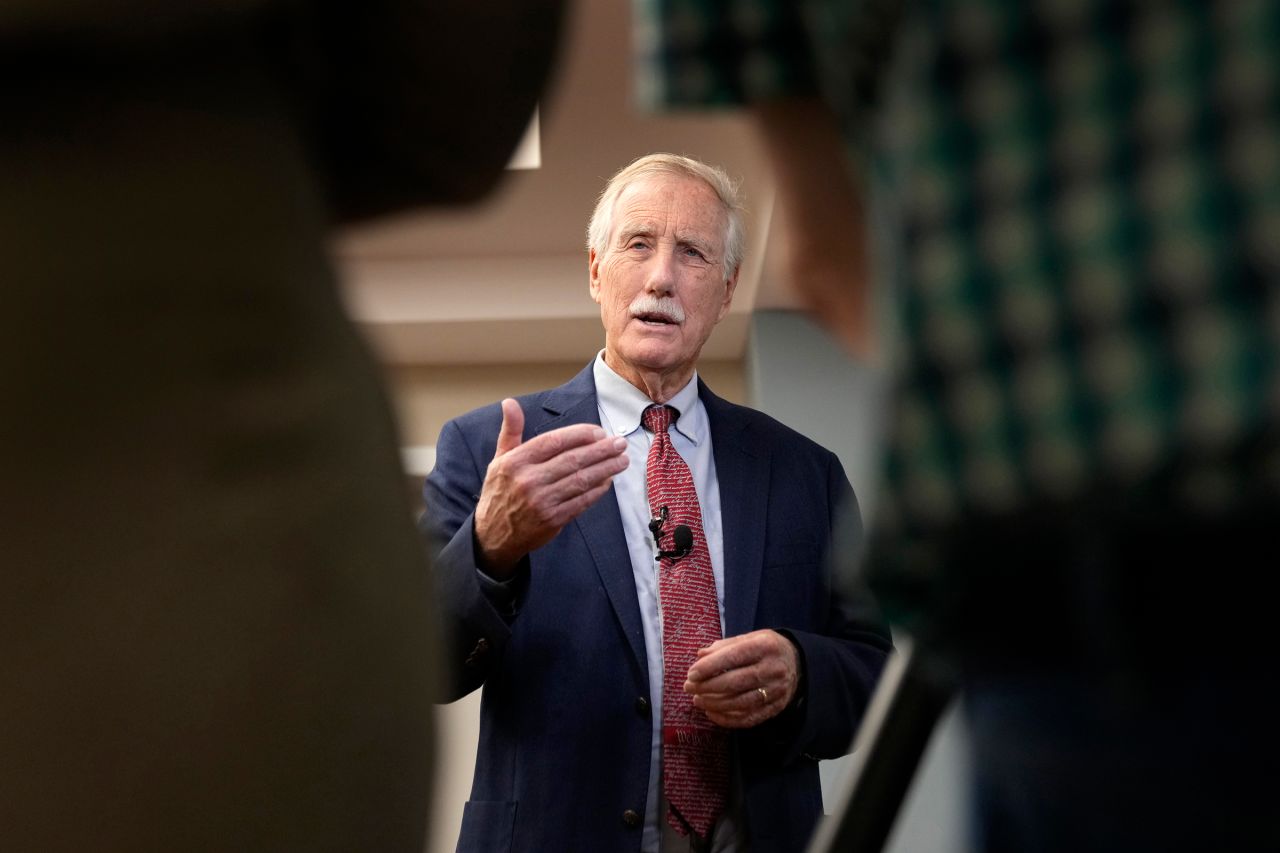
x: 1078, y: 206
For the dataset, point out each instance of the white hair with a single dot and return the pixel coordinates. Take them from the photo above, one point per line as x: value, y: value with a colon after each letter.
x: 735, y: 239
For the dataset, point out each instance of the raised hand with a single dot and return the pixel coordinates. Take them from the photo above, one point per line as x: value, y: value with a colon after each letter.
x: 534, y: 488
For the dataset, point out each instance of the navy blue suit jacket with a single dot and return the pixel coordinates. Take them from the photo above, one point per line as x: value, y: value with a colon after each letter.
x: 565, y: 731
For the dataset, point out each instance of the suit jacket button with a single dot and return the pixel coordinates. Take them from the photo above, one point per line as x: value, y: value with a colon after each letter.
x: 642, y: 707
x: 632, y: 818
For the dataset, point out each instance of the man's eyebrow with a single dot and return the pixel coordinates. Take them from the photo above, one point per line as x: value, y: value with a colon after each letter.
x: 697, y: 241
x: 631, y: 229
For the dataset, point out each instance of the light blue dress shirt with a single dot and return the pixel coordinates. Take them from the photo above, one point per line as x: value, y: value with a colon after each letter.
x: 621, y: 405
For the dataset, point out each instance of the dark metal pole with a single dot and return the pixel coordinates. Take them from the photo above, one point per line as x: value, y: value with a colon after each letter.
x: 913, y: 692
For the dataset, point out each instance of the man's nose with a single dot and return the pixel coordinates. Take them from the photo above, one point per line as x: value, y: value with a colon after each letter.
x: 661, y: 279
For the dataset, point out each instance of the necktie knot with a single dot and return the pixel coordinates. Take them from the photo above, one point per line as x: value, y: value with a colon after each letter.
x: 656, y: 419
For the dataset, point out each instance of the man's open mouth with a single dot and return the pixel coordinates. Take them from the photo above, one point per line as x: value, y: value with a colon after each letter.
x: 655, y: 319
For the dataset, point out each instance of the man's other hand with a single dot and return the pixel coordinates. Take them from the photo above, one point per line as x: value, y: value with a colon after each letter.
x: 742, y: 681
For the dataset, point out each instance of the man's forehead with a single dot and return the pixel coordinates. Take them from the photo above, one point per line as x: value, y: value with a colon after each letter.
x: 646, y: 204
x: 667, y: 183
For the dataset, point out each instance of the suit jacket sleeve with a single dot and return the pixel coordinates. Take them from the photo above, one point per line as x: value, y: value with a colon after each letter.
x: 475, y: 631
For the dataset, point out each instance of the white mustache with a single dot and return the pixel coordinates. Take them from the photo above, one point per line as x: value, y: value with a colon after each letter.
x: 667, y: 308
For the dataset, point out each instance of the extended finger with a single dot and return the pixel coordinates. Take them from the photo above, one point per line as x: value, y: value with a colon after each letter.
x: 583, y: 463
x: 596, y: 467
x: 556, y: 505
x: 551, y: 444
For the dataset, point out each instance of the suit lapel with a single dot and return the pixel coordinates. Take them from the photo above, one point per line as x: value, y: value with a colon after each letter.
x: 742, y: 469
x: 601, y: 524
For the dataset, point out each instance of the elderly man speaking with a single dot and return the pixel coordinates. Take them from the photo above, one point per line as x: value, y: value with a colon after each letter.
x: 635, y: 570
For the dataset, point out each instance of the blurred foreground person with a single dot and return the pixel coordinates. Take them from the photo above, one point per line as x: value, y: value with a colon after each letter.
x: 217, y: 628
x: 1077, y: 205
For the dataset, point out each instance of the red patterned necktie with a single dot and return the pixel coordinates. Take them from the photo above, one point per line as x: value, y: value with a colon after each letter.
x: 695, y: 752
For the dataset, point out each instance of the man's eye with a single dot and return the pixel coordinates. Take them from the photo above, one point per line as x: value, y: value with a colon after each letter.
x: 638, y: 244
x: 694, y: 253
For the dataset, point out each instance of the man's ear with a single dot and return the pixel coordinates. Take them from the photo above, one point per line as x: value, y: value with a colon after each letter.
x: 593, y: 269
x: 730, y: 285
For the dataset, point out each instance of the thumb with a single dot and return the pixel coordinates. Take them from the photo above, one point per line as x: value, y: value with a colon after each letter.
x: 511, y: 434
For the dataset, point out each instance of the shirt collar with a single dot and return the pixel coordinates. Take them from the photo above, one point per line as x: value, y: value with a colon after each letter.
x: 623, y: 403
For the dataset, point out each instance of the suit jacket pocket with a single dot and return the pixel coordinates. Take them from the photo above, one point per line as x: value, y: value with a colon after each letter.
x: 487, y: 826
